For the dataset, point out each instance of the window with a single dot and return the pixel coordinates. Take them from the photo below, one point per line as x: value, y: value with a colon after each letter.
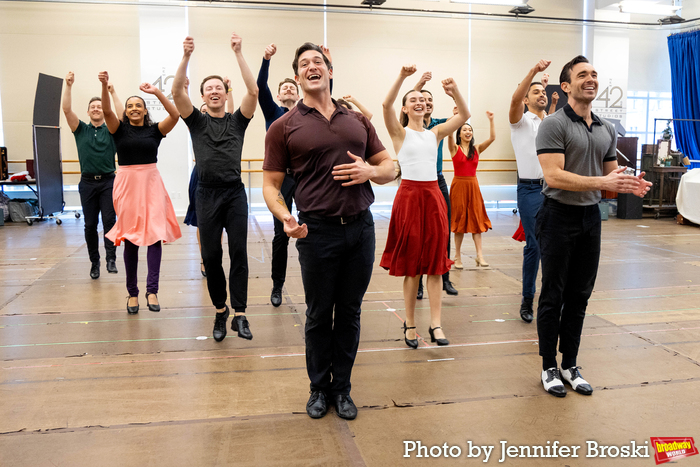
x: 642, y: 108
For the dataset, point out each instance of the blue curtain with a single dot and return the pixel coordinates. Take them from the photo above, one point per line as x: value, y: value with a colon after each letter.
x: 684, y: 51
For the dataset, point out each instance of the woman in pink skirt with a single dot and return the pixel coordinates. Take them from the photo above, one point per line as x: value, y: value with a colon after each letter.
x: 145, y: 214
x: 418, y: 230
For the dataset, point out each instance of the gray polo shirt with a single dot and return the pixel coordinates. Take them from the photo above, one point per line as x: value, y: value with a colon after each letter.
x: 585, y: 150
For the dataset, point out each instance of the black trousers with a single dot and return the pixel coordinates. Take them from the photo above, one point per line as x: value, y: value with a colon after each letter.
x: 443, y: 188
x: 96, y: 198
x: 336, y: 266
x: 569, y: 240
x: 220, y: 208
x: 280, y: 242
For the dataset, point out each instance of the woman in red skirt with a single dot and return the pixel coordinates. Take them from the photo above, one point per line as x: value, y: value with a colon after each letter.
x: 417, y: 240
x: 145, y: 214
x: 468, y: 211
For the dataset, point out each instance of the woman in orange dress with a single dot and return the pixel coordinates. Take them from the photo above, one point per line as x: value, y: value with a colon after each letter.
x: 468, y: 211
x: 145, y: 214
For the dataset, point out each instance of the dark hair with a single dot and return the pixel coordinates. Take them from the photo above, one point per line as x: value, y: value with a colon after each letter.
x: 287, y: 80
x: 93, y: 100
x: 201, y: 86
x: 472, y: 148
x: 403, y: 118
x: 345, y: 103
x: 146, y: 118
x: 425, y: 90
x: 534, y: 83
x: 305, y: 48
x: 565, y: 76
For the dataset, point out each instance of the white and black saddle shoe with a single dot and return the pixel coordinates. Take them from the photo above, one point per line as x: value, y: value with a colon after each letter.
x: 576, y: 381
x: 551, y: 380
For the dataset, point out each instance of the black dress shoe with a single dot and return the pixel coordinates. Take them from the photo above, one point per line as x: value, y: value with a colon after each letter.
x: 526, y: 310
x: 220, y: 325
x: 151, y: 306
x: 317, y: 406
x: 431, y: 331
x: 551, y: 381
x: 95, y: 270
x: 276, y: 296
x: 240, y: 323
x: 412, y: 343
x: 345, y: 407
x: 419, y: 295
x: 132, y: 310
x: 112, y: 266
x: 449, y: 288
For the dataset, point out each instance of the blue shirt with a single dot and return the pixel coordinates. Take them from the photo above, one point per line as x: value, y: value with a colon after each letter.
x: 435, y: 122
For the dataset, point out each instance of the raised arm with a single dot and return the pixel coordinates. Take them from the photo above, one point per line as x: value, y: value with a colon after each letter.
x: 250, y: 99
x: 267, y: 101
x: 67, y: 106
x: 396, y: 131
x: 118, y: 106
x: 179, y: 90
x: 553, y: 105
x: 462, y: 115
x: 427, y: 76
x: 169, y: 122
x: 111, y: 118
x: 364, y: 110
x: 229, y: 96
x: 492, y: 134
x: 517, y: 106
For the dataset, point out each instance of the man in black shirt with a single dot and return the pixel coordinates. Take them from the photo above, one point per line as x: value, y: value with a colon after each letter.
x: 217, y: 139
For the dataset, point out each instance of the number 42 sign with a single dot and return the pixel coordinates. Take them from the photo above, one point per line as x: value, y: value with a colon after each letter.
x: 610, y: 103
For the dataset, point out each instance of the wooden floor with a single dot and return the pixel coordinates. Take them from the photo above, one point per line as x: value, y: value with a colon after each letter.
x: 84, y: 384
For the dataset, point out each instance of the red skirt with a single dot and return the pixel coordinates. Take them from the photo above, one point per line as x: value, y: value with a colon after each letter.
x: 145, y: 214
x: 468, y: 210
x: 418, y: 231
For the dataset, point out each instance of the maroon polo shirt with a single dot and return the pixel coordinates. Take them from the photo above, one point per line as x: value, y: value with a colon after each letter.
x: 304, y: 141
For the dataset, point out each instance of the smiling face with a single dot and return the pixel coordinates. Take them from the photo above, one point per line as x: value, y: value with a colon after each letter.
x: 288, y: 93
x: 95, y: 112
x: 428, y: 103
x: 536, y: 98
x: 466, y: 134
x: 214, y: 94
x: 135, y: 110
x: 414, y: 105
x: 313, y: 73
x: 583, y: 85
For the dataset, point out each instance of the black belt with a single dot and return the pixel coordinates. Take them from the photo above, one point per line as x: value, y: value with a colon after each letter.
x: 334, y: 219
x: 96, y: 176
x: 531, y: 181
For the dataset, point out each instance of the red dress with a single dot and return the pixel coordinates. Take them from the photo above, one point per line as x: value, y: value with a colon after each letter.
x: 468, y: 210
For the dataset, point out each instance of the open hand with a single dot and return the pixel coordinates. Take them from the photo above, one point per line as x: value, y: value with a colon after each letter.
x: 355, y: 173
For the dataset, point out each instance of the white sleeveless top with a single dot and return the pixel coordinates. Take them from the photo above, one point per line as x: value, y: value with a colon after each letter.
x: 418, y: 156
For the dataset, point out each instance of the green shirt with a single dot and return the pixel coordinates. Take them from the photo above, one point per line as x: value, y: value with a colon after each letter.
x: 96, y: 149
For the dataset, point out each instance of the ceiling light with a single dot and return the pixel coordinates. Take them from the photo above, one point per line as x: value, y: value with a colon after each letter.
x: 493, y: 2
x: 373, y: 2
x: 672, y: 20
x: 521, y: 10
x: 647, y: 8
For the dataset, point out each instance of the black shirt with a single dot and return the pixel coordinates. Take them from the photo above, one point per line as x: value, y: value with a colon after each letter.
x: 137, y: 144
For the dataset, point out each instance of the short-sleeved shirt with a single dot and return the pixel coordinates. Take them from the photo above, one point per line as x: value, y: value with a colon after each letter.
x: 585, y: 150
x: 137, y: 145
x: 96, y: 148
x: 523, y: 136
x: 218, y: 145
x: 304, y: 141
x: 433, y: 123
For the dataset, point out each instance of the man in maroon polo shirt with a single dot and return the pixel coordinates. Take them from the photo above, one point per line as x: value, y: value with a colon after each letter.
x: 333, y: 153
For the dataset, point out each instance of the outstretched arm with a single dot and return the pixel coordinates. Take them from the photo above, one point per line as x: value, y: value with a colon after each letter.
x: 365, y: 111
x: 118, y: 106
x: 396, y: 131
x: 110, y: 118
x: 169, y: 122
x: 179, y: 90
x: 492, y: 134
x: 517, y: 106
x: 462, y: 115
x: 71, y: 117
x: 250, y: 99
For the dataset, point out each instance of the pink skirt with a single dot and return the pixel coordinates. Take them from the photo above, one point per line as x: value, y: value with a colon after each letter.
x: 418, y: 231
x: 145, y: 214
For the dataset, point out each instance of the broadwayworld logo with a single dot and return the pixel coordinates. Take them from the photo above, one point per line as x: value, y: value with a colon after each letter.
x: 669, y: 449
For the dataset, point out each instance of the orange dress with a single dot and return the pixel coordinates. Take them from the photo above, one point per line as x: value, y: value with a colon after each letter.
x: 468, y: 210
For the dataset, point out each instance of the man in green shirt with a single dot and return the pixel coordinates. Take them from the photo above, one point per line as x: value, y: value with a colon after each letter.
x: 96, y: 152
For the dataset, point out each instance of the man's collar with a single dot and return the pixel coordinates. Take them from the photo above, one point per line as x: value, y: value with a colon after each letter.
x: 305, y: 109
x: 96, y: 126
x: 574, y: 117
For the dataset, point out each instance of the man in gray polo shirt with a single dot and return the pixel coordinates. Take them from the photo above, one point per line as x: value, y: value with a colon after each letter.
x: 576, y: 149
